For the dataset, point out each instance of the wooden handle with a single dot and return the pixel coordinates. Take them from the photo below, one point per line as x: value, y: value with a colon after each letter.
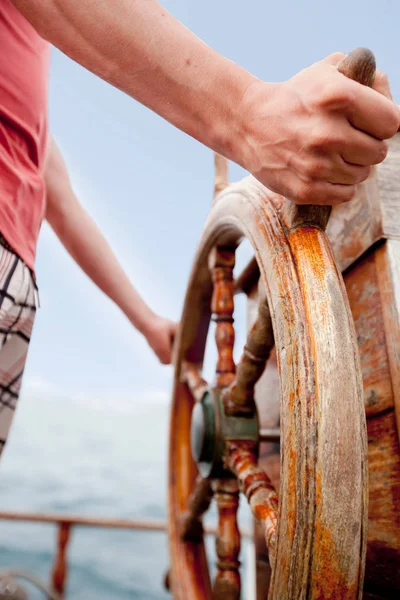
x: 359, y: 65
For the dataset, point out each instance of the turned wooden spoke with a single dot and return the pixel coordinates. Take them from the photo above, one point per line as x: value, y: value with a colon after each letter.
x: 248, y: 277
x: 221, y: 263
x: 258, y: 489
x: 239, y: 399
x: 227, y: 580
x: 191, y: 375
x: 198, y: 503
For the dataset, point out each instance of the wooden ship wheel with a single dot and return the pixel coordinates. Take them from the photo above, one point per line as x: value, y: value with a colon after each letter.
x: 295, y: 445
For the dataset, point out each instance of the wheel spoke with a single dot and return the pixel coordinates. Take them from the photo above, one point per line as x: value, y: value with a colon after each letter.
x: 227, y: 580
x: 247, y: 278
x: 258, y: 489
x: 221, y: 263
x: 198, y: 503
x: 191, y: 375
x: 239, y: 398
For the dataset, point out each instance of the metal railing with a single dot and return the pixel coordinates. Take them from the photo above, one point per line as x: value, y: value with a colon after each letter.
x: 65, y: 523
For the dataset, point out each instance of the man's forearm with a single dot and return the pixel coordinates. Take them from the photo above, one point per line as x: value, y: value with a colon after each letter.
x: 312, y: 139
x: 87, y: 246
x: 140, y: 48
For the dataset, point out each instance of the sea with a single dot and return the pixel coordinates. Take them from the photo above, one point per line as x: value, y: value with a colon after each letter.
x: 99, y: 459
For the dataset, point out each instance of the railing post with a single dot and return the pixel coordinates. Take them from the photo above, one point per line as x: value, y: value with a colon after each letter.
x: 60, y: 568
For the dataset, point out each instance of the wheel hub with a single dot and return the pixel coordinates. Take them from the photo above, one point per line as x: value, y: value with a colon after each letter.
x: 211, y: 428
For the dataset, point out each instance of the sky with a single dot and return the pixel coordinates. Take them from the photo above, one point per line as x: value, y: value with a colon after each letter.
x: 149, y: 186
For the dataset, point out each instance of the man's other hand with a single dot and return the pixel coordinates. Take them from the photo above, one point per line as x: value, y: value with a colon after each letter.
x: 160, y: 334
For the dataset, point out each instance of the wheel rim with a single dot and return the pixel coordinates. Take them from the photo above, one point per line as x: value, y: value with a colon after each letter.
x: 322, y: 522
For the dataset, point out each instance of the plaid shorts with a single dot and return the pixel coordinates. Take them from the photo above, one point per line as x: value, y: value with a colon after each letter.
x: 18, y: 302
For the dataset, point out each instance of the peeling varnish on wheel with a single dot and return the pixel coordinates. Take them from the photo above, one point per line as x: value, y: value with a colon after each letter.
x: 242, y: 211
x: 325, y: 584
x: 323, y: 305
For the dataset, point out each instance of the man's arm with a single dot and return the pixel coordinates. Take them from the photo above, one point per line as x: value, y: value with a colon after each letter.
x: 85, y: 243
x: 312, y: 138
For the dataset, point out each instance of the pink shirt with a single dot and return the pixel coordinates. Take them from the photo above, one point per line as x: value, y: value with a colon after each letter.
x: 24, y: 68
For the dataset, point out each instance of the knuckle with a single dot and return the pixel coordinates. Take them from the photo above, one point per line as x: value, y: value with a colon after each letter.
x: 364, y: 174
x: 342, y: 194
x: 315, y: 169
x: 359, y: 174
x: 387, y: 118
x: 393, y: 123
x: 381, y: 152
x: 328, y: 94
x: 349, y: 193
x: 321, y: 137
x: 346, y: 97
x: 338, y: 94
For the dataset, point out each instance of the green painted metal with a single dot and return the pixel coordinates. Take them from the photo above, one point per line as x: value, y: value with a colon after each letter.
x: 211, y: 428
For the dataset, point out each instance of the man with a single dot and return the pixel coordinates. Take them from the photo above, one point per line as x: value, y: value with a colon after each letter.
x: 312, y: 138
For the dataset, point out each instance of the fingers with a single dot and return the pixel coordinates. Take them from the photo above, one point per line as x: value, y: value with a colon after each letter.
x: 336, y: 136
x: 165, y: 356
x: 348, y: 174
x: 363, y: 149
x: 172, y: 330
x: 381, y: 82
x: 381, y: 85
x: 370, y: 111
x: 164, y: 351
x: 331, y: 170
x: 165, y: 341
x: 306, y: 191
x: 323, y: 193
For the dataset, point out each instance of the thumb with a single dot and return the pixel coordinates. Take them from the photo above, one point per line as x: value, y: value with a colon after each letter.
x: 334, y: 59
